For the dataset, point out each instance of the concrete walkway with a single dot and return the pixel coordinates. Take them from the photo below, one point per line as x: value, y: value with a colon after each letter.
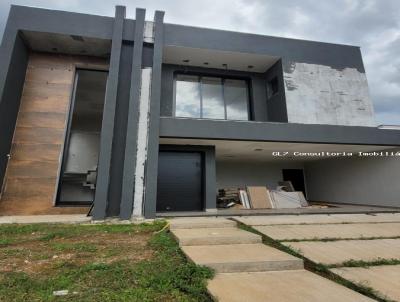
x: 330, y: 231
x: 356, y: 229
x: 248, y: 270
x: 319, y: 219
x: 385, y: 279
x: 282, y: 286
x: 336, y: 252
x: 78, y: 218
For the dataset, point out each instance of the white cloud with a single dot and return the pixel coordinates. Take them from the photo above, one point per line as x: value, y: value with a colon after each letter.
x: 372, y: 24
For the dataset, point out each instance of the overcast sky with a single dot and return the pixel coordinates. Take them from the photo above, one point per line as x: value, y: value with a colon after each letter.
x: 372, y: 24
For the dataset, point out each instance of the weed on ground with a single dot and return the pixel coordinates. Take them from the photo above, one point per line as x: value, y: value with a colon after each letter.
x: 96, y: 263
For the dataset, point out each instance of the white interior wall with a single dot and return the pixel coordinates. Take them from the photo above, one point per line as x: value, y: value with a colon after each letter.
x: 242, y: 174
x: 367, y: 181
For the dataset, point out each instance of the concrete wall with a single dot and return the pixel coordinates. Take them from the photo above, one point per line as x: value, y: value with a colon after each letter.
x: 320, y: 94
x: 242, y: 174
x: 11, y: 83
x: 371, y: 181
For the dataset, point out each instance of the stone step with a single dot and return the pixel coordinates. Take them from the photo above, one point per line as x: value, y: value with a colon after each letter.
x: 213, y: 236
x: 279, y: 286
x: 319, y: 219
x: 242, y: 258
x: 201, y: 222
x: 385, y: 279
x: 336, y: 252
x: 330, y: 231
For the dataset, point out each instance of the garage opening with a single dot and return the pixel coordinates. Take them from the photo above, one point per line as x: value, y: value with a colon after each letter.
x: 300, y: 176
x: 180, y: 181
x: 81, y: 148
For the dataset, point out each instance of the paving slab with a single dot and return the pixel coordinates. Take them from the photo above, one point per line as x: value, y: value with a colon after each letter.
x: 211, y: 236
x: 201, y: 222
x: 242, y: 258
x: 385, y: 279
x: 326, y: 231
x: 319, y: 219
x: 280, y: 286
x: 336, y: 252
x: 45, y: 219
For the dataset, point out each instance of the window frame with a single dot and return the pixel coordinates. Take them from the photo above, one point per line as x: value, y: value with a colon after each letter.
x: 223, y: 78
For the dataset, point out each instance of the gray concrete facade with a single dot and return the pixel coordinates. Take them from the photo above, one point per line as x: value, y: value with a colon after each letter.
x: 107, y: 129
x: 293, y: 114
x: 13, y: 63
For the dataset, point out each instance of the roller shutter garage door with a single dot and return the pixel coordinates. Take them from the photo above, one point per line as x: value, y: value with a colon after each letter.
x: 179, y: 181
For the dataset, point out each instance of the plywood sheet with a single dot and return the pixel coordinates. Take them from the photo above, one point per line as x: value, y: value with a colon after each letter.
x: 259, y: 197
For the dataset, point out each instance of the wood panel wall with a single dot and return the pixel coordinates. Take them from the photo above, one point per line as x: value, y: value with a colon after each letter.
x: 36, y: 154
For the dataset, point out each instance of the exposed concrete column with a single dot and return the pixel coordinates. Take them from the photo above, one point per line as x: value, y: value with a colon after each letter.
x: 128, y: 179
x: 151, y: 169
x: 107, y: 129
x: 142, y: 143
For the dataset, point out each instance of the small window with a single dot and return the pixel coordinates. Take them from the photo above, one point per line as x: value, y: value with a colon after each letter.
x: 272, y: 87
x: 211, y: 97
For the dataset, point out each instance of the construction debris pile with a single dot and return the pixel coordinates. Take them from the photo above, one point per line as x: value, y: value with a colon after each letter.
x: 260, y: 197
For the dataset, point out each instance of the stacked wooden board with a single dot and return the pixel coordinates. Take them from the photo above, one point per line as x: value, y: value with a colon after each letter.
x: 228, y: 197
x: 259, y: 197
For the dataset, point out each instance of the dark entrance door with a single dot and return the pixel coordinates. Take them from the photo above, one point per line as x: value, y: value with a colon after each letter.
x: 296, y: 176
x: 179, y: 182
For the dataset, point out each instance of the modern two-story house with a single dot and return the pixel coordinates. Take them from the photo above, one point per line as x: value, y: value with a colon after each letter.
x: 137, y: 117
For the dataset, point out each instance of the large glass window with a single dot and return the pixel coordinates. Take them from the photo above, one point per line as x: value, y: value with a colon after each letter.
x: 211, y: 97
x: 235, y: 92
x: 187, y: 96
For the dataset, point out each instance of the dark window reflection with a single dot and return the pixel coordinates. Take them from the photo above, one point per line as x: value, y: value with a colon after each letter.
x: 213, y: 101
x: 211, y: 97
x: 187, y: 100
x: 236, y: 97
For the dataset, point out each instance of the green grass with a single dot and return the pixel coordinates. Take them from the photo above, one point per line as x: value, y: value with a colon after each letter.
x: 97, y: 263
x: 362, y: 263
x: 77, y: 247
x: 5, y: 241
x: 338, y: 239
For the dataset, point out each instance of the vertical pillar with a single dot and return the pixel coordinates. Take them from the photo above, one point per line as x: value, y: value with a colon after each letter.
x: 128, y: 179
x: 150, y: 196
x: 107, y: 128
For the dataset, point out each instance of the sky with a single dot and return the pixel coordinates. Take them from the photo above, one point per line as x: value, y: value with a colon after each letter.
x: 374, y: 25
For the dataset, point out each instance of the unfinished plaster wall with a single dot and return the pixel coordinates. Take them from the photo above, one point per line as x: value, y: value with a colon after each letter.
x: 319, y: 94
x: 365, y: 181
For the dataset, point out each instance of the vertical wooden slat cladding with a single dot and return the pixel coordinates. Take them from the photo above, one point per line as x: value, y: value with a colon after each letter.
x: 31, y: 179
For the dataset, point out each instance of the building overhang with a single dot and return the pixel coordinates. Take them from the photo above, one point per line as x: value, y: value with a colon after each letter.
x: 276, y: 132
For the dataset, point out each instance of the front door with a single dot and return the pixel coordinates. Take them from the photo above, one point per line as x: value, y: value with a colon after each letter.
x: 179, y: 182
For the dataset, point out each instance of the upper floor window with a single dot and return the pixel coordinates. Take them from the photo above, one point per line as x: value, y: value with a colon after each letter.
x: 211, y: 97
